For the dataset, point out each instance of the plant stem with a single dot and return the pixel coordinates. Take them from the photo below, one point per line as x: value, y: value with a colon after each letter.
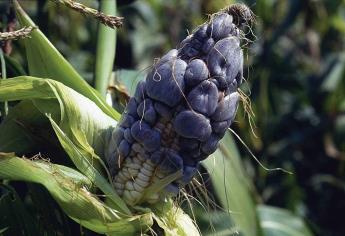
x: 105, y: 51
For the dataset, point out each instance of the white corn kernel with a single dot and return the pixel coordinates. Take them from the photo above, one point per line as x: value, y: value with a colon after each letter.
x: 143, y: 177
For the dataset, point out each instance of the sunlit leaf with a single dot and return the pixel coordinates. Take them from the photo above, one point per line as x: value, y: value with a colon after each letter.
x: 128, y: 79
x: 231, y: 186
x: 46, y: 62
x: 122, y: 85
x: 70, y: 189
x: 216, y: 223
x: 80, y: 118
x: 280, y: 222
x: 16, y: 129
x: 173, y: 220
x: 82, y: 125
x: 335, y: 74
x: 87, y: 168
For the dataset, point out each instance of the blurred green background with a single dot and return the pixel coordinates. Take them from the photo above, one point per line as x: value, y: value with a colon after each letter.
x: 295, y: 80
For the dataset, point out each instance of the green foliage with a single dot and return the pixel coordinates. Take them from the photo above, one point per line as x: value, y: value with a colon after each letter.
x: 82, y: 130
x: 69, y: 188
x: 276, y: 221
x: 295, y: 70
x: 232, y: 186
x: 297, y: 88
x: 174, y: 221
x: 46, y: 62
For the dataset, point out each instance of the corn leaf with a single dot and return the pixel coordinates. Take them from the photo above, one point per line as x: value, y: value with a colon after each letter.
x: 45, y: 61
x: 122, y: 85
x: 334, y: 73
x: 128, y: 79
x: 78, y: 116
x: 69, y: 188
x: 17, y: 89
x: 14, y: 67
x: 215, y: 223
x: 106, y: 47
x: 86, y: 168
x: 82, y: 125
x: 232, y: 187
x: 17, y: 130
x: 280, y: 222
x: 73, y: 120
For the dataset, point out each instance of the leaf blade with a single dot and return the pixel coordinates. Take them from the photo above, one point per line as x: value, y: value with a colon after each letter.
x: 277, y: 221
x: 70, y: 191
x: 87, y: 168
x: 45, y: 61
x: 231, y: 186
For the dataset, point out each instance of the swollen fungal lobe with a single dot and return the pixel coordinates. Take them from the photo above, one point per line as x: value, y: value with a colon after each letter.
x: 196, y: 72
x: 178, y: 115
x: 165, y: 83
x: 204, y: 98
x: 193, y: 125
x: 220, y: 26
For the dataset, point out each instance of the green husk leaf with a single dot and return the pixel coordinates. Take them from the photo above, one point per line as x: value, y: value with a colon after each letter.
x: 173, y: 220
x: 46, y: 62
x: 231, y: 186
x: 82, y: 125
x: 87, y: 168
x: 17, y: 129
x: 75, y: 113
x: 70, y: 189
x: 276, y: 221
x: 78, y: 116
x: 22, y: 87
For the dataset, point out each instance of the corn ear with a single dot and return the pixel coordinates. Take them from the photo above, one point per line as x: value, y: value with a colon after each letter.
x: 73, y: 112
